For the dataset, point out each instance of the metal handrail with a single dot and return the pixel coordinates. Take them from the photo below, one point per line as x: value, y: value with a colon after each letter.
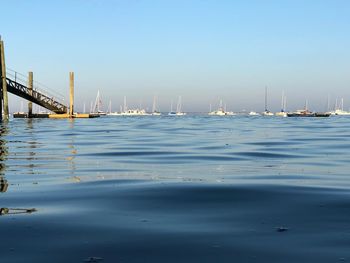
x: 23, y: 79
x: 36, y: 96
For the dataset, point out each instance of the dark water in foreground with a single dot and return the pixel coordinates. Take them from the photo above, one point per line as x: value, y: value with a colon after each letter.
x: 176, y: 189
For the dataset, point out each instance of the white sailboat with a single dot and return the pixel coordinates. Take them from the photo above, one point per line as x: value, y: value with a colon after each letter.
x: 178, y: 111
x: 155, y: 110
x: 21, y: 110
x: 171, y: 113
x: 266, y: 112
x: 132, y: 112
x: 109, y: 112
x: 97, y: 109
x: 253, y: 113
x: 339, y: 109
x: 221, y: 111
x: 283, y: 112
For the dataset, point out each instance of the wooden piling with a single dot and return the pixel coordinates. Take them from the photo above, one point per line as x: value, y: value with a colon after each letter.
x: 3, y: 81
x: 71, y: 94
x: 30, y: 89
x: 0, y: 83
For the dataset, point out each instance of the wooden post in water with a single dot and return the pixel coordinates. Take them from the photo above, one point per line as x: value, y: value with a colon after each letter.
x: 0, y: 82
x: 30, y: 88
x: 3, y: 81
x: 71, y: 94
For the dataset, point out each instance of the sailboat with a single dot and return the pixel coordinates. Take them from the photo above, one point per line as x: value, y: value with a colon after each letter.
x: 221, y: 111
x: 339, y: 109
x: 98, y: 104
x: 302, y: 113
x: 155, y: 110
x: 132, y: 112
x: 109, y: 112
x: 253, y: 113
x: 178, y: 111
x: 283, y: 112
x: 266, y: 112
x: 21, y: 112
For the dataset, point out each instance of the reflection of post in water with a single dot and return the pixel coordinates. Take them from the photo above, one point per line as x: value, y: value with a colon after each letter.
x: 3, y: 156
x: 32, y: 145
x: 3, y: 182
x: 73, y: 151
x: 3, y: 147
x: 3, y: 185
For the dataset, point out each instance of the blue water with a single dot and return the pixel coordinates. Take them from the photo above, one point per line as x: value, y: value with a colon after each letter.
x: 176, y: 189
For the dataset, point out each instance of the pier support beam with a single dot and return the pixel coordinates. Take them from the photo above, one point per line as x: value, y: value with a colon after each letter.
x: 30, y: 89
x: 3, y: 82
x: 71, y: 94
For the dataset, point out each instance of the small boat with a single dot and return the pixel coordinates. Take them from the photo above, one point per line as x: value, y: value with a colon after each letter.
x: 283, y: 112
x: 266, y: 112
x: 155, y: 110
x: 131, y: 112
x: 20, y: 113
x: 307, y: 113
x: 253, y: 113
x: 221, y: 111
x: 98, y: 104
x: 134, y: 112
x: 301, y: 113
x: 339, y: 109
x: 178, y: 111
x: 341, y: 112
x: 114, y: 113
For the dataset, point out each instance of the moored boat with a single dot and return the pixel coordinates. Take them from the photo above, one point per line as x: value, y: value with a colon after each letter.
x: 221, y: 111
x: 307, y: 113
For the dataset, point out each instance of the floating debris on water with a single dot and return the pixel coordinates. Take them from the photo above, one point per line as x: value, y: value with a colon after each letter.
x: 14, y: 211
x: 93, y: 259
x: 282, y: 229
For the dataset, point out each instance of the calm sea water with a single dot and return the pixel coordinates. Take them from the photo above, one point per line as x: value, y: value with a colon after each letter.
x: 176, y: 189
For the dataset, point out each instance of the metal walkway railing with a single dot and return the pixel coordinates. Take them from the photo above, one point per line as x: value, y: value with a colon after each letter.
x: 17, y: 85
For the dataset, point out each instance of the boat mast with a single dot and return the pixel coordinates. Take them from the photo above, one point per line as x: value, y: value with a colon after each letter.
x: 342, y: 104
x: 336, y: 104
x: 265, y: 98
x: 110, y: 106
x: 125, y: 107
x: 178, y: 107
x: 96, y: 105
x: 328, y: 102
x: 154, y: 104
x: 99, y: 102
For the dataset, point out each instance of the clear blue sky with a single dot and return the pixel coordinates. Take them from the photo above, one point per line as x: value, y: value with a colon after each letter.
x: 203, y: 50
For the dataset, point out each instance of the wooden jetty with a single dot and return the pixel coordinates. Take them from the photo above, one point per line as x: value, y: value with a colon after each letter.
x: 32, y: 95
